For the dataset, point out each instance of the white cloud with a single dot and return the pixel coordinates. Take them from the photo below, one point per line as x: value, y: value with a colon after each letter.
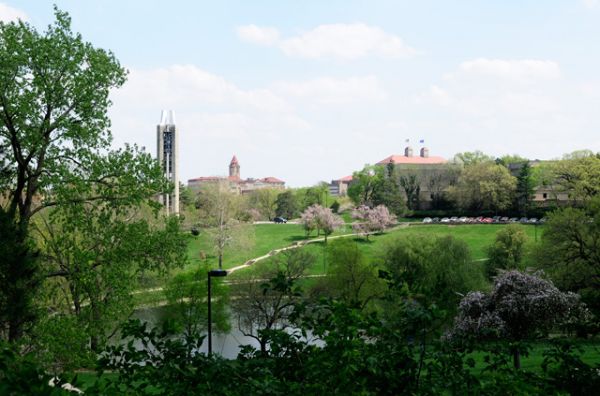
x: 328, y: 90
x: 341, y: 41
x: 8, y: 14
x: 216, y: 119
x: 258, y: 35
x: 590, y: 3
x: 517, y: 70
x: 506, y: 106
x: 192, y: 85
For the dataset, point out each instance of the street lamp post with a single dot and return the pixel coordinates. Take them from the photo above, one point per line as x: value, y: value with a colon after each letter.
x: 217, y: 273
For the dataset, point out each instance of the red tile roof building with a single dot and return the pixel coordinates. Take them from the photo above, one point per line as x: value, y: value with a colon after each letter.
x: 238, y: 184
x: 406, y: 162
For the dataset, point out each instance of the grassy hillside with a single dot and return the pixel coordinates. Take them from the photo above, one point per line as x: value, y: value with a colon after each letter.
x: 477, y: 236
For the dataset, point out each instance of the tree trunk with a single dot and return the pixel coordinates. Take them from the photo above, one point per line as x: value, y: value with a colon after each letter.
x: 517, y: 358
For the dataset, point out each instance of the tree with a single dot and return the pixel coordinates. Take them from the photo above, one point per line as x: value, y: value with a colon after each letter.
x: 94, y: 255
x: 262, y: 306
x: 570, y: 251
x: 434, y: 269
x: 265, y: 201
x: 506, y: 253
x: 187, y: 292
x: 218, y: 208
x: 286, y: 205
x: 412, y: 188
x: 579, y: 175
x: 349, y: 277
x: 377, y: 185
x: 365, y: 185
x: 53, y: 123
x: 469, y: 158
x: 370, y: 220
x: 525, y: 189
x: 438, y: 181
x: 19, y: 274
x: 508, y: 159
x: 520, y: 307
x: 319, y: 218
x: 484, y: 186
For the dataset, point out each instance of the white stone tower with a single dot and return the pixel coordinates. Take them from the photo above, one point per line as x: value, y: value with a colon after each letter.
x: 167, y: 142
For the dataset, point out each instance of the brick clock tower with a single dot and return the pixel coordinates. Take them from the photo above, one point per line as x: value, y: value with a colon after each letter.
x: 234, y: 168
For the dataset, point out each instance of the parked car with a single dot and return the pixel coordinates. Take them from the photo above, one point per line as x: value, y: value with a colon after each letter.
x: 279, y: 220
x: 462, y: 219
x: 427, y: 220
x: 513, y: 220
x: 543, y: 220
x: 453, y: 219
x: 533, y: 220
x: 445, y: 220
x: 504, y: 219
x: 479, y: 219
x: 523, y: 220
x: 487, y: 220
x: 435, y: 220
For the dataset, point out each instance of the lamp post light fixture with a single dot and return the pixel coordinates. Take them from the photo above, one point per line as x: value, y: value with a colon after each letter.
x: 216, y: 273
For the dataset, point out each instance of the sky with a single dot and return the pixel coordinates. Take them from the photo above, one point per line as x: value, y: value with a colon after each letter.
x: 309, y: 91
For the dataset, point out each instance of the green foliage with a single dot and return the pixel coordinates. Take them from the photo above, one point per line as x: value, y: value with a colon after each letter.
x: 579, y: 175
x: 287, y: 205
x: 484, y: 187
x: 570, y: 251
x: 506, y: 253
x: 61, y: 344
x: 469, y: 158
x: 350, y: 278
x: 22, y: 375
x: 94, y: 257
x: 187, y: 293
x: 358, y: 354
x: 54, y: 91
x: 567, y: 372
x: 335, y: 207
x: 261, y: 306
x: 265, y: 201
x: 435, y: 269
x: 219, y: 211
x: 375, y: 185
x: 525, y: 190
x: 508, y: 159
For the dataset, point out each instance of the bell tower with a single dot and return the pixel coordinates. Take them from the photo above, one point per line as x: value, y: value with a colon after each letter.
x: 234, y: 168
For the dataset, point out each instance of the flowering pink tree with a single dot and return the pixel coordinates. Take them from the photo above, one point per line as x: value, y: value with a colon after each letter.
x: 309, y: 217
x: 519, y: 307
x: 318, y: 218
x: 329, y: 222
x: 376, y: 219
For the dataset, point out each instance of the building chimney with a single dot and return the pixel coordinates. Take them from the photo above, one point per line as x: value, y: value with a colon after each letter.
x: 408, y: 151
x: 424, y: 152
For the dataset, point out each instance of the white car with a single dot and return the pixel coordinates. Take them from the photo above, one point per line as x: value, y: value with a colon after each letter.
x: 427, y: 220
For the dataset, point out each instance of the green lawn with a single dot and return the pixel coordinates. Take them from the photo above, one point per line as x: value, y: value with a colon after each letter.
x: 477, y: 236
x: 266, y: 238
x: 533, y: 361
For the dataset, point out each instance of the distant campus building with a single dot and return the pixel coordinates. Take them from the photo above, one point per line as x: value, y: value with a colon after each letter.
x: 167, y: 141
x: 433, y: 175
x: 237, y: 184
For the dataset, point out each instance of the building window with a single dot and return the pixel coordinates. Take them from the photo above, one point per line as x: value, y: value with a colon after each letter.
x: 545, y: 195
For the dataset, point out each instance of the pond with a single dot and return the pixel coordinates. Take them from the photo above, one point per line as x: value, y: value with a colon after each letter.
x: 227, y: 345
